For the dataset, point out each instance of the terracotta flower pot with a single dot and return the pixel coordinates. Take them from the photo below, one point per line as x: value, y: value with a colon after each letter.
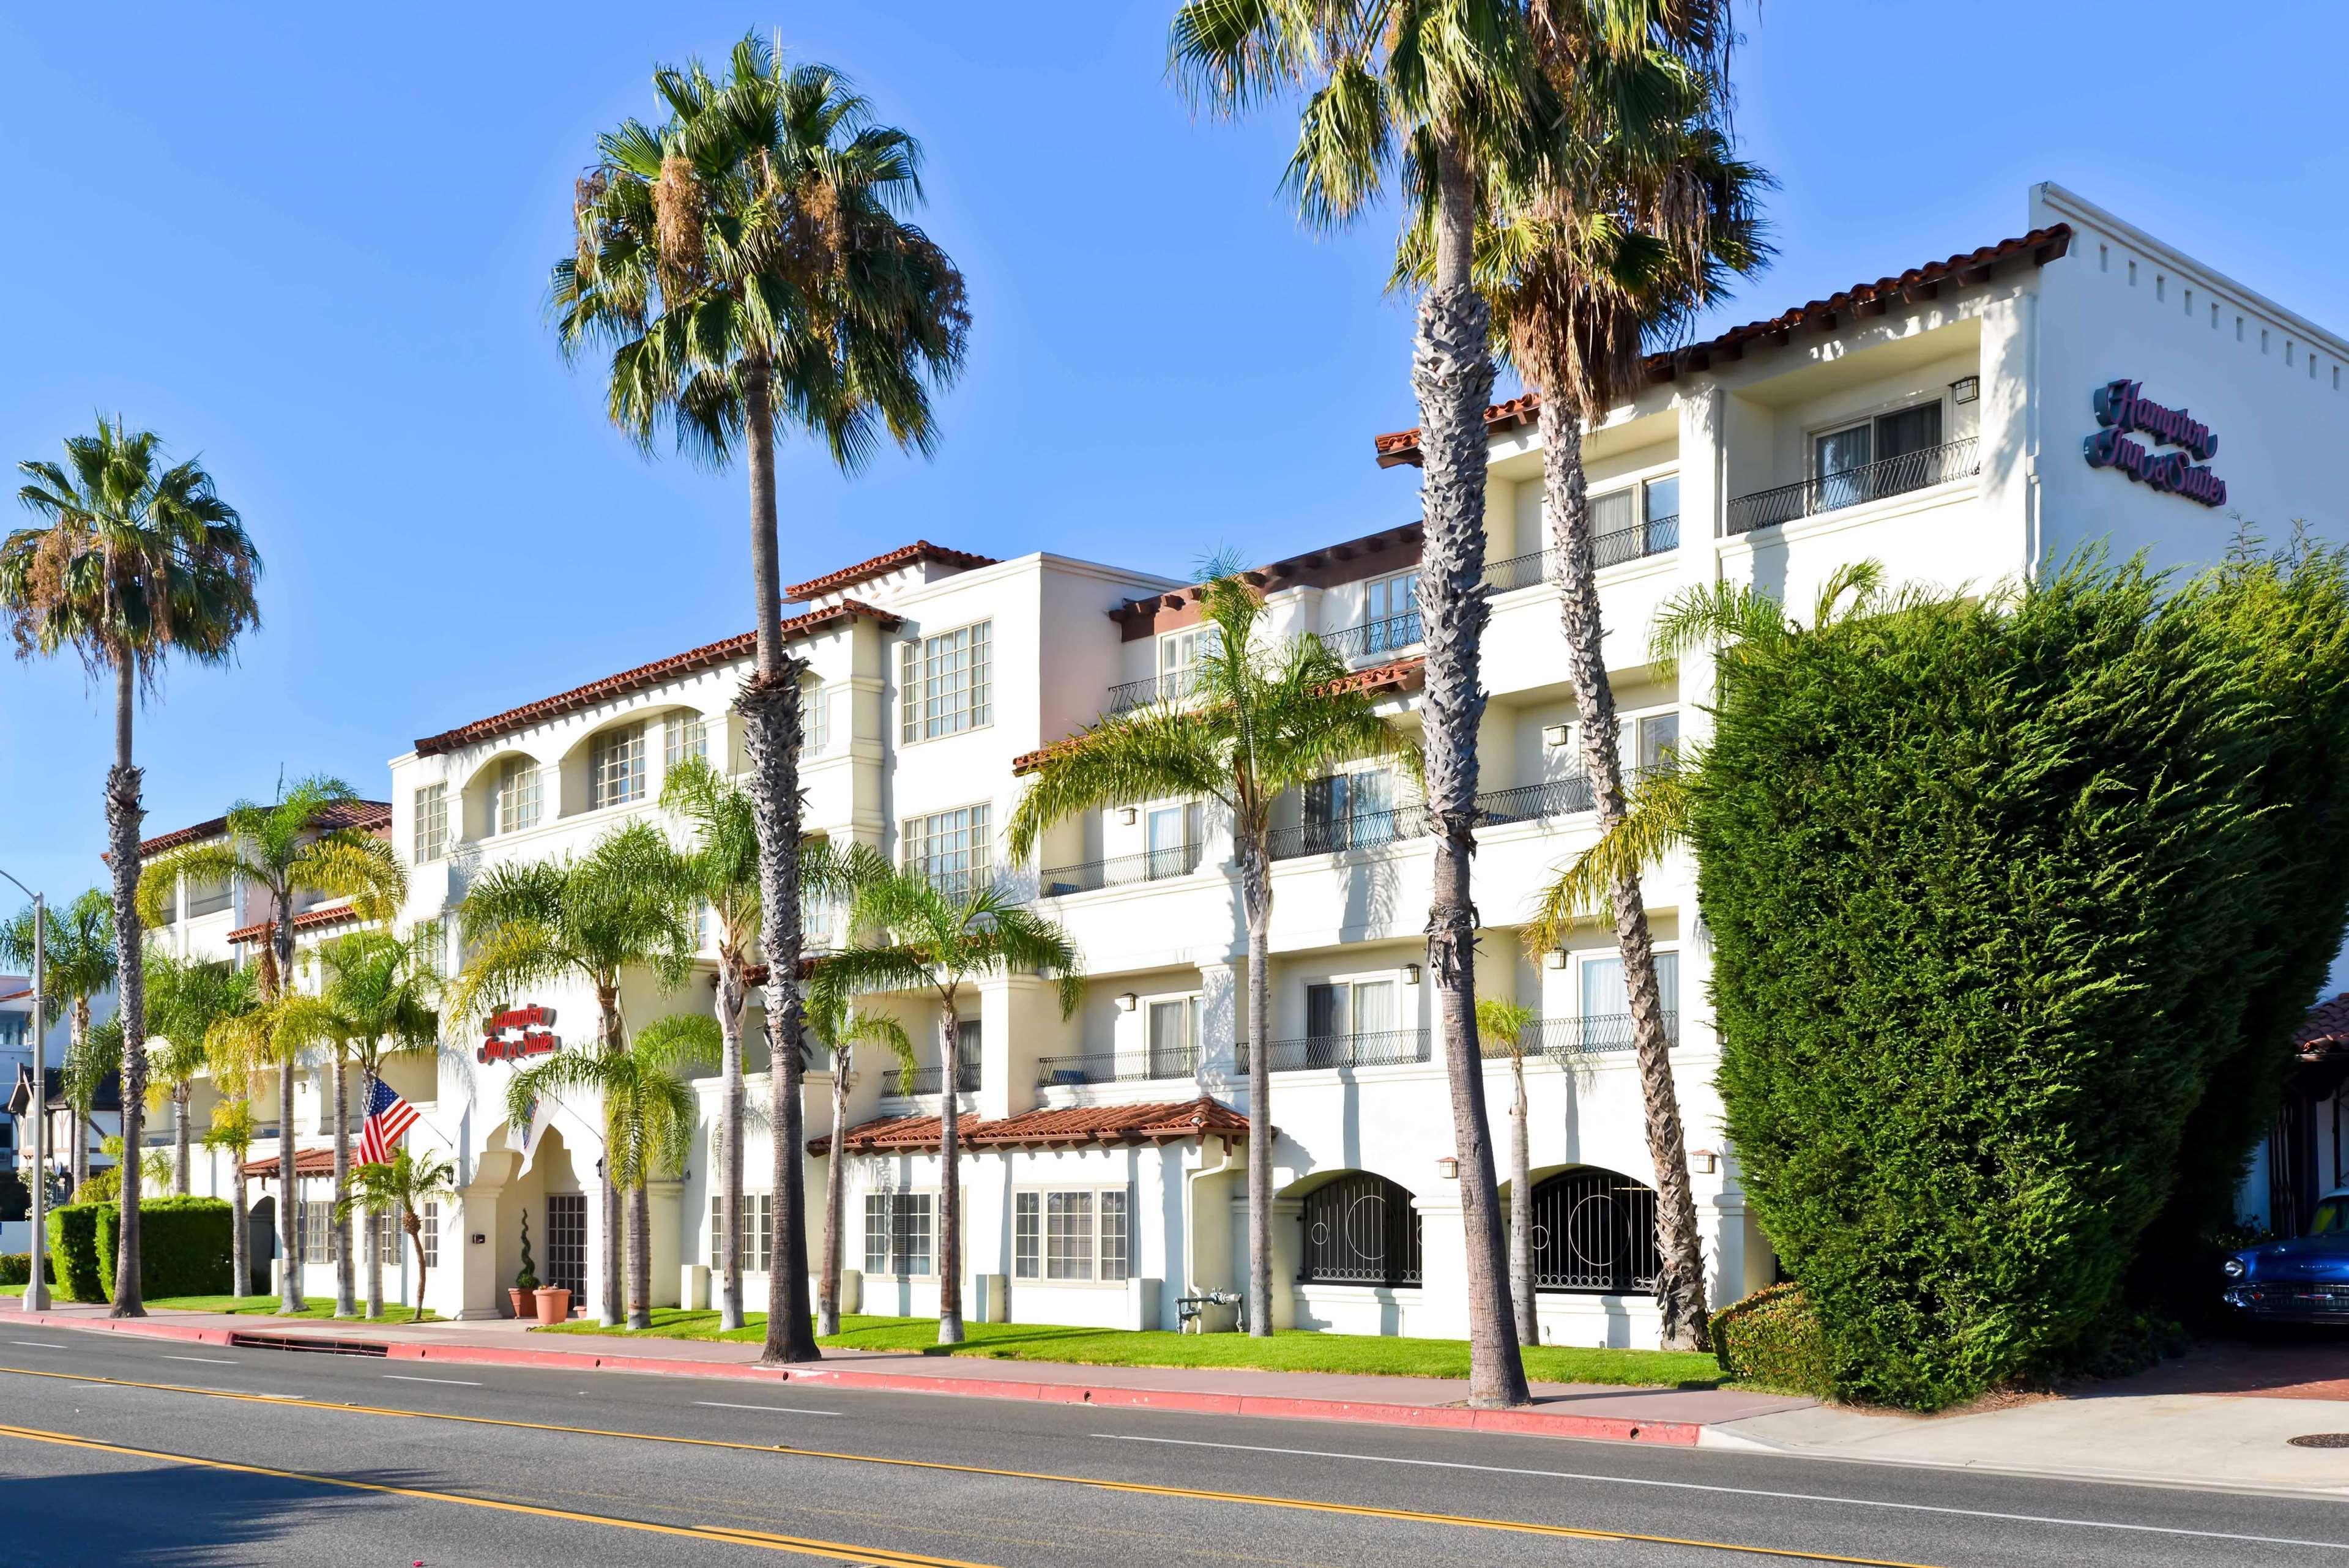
x: 554, y: 1303
x: 523, y: 1306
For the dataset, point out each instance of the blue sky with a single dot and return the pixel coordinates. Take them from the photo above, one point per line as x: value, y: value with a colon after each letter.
x: 310, y: 244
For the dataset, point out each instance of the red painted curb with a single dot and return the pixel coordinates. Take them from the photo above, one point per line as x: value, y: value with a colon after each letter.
x: 1440, y: 1418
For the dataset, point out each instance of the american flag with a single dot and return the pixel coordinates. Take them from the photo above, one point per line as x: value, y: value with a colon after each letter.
x: 388, y: 1118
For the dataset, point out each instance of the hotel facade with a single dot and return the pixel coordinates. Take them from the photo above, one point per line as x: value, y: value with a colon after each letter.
x: 1970, y: 420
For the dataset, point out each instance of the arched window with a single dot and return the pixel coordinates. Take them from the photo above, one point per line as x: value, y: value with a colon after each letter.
x: 1360, y: 1230
x: 1595, y: 1231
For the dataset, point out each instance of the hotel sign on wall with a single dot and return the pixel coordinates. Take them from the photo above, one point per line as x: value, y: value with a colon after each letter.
x: 2123, y: 410
x: 517, y: 1033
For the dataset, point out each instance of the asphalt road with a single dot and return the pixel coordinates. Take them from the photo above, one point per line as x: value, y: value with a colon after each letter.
x: 117, y: 1452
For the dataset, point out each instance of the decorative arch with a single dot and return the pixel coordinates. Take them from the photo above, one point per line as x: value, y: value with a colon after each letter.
x: 1359, y: 1229
x: 1594, y: 1234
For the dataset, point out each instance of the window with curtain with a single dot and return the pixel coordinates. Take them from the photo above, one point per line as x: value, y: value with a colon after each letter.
x: 1174, y: 1038
x: 945, y: 684
x: 1604, y: 994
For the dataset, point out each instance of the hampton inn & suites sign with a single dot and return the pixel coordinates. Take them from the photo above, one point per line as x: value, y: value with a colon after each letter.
x: 2122, y: 411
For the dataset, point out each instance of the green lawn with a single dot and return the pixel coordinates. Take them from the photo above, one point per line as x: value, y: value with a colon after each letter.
x: 252, y: 1306
x: 1294, y: 1352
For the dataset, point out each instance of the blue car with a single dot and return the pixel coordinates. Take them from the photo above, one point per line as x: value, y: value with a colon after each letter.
x: 2303, y: 1279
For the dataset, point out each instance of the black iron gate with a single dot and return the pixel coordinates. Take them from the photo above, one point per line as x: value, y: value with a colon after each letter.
x: 1595, y: 1232
x: 1360, y: 1230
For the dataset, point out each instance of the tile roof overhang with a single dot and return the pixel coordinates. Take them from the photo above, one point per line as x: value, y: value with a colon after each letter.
x: 307, y: 1162
x: 1066, y: 1127
x: 369, y: 816
x: 1398, y: 676
x: 308, y: 919
x: 882, y: 565
x: 1861, y: 300
x: 707, y: 656
x: 1371, y: 555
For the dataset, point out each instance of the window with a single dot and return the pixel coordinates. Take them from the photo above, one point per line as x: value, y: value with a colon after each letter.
x: 317, y: 1230
x: 1659, y: 742
x: 208, y: 895
x: 391, y: 1237
x: 1595, y: 1232
x: 1360, y: 1230
x: 1604, y: 995
x: 1173, y: 832
x: 432, y: 835
x: 897, y: 1234
x: 1845, y: 462
x: 755, y: 1234
x: 616, y: 767
x: 946, y: 686
x: 566, y: 1242
x: 1071, y: 1235
x: 1351, y: 811
x: 685, y: 735
x: 1179, y: 656
x: 953, y: 849
x: 518, y: 796
x: 1174, y: 1038
x: 1390, y: 613
x: 816, y: 720
x: 429, y: 1219
x: 1342, y: 1012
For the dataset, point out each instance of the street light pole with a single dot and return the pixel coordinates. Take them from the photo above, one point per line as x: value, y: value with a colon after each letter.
x: 37, y: 1289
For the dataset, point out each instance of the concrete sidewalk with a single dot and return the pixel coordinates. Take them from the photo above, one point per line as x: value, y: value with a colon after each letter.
x: 1560, y: 1409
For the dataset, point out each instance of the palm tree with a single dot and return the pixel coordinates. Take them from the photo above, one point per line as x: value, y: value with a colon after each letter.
x: 1448, y: 90
x: 627, y: 905
x: 280, y: 850
x: 1259, y: 721
x: 748, y: 263
x: 830, y: 1021
x: 402, y: 1187
x: 1634, y: 225
x: 1508, y: 1023
x: 376, y: 998
x: 940, y: 938
x: 80, y: 965
x: 131, y: 566
x: 185, y: 1000
x: 231, y: 1134
x: 648, y: 1119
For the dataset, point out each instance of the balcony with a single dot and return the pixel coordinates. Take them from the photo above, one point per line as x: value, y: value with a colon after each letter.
x: 1392, y: 1047
x: 899, y: 1083
x: 1170, y: 686
x: 1871, y: 481
x: 1565, y: 1039
x: 1375, y: 830
x: 1634, y: 543
x: 1110, y: 1067
x: 1376, y: 640
x: 1152, y: 865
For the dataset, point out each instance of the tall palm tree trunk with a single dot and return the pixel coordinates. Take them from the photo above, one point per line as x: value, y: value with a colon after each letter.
x: 289, y: 1185
x: 729, y: 1147
x: 180, y: 1098
x: 609, y: 1312
x: 414, y: 1229
x: 1680, y: 1285
x: 346, y: 1302
x: 1452, y: 371
x: 640, y: 1255
x: 240, y: 1240
x: 1255, y: 899
x: 835, y: 1201
x: 123, y: 815
x: 949, y: 1174
x: 771, y: 713
x: 374, y: 1264
x: 1521, y: 1206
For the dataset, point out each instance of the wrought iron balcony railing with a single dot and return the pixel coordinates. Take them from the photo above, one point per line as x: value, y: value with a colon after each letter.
x: 1633, y: 543
x: 1170, y: 686
x: 1150, y: 865
x: 1375, y: 640
x: 1560, y: 1039
x: 1392, y: 1047
x: 1374, y: 829
x: 1112, y: 1067
x: 900, y: 1084
x: 1871, y: 481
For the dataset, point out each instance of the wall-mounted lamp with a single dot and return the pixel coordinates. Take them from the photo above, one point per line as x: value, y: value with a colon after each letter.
x: 1410, y: 973
x: 479, y: 1239
x: 1125, y: 814
x: 1703, y: 1162
x: 1965, y: 389
x: 1448, y: 1168
x: 1554, y: 959
x: 1554, y: 736
x: 1126, y: 1000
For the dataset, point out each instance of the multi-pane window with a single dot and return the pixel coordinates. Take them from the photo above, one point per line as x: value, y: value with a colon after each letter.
x: 429, y: 1220
x: 946, y: 685
x: 1180, y: 655
x: 432, y: 835
x: 1351, y: 811
x: 754, y: 1235
x: 1390, y: 613
x: 616, y: 767
x: 952, y: 848
x: 685, y: 735
x: 519, y: 796
x: 898, y: 1235
x: 317, y: 1230
x: 1071, y: 1235
x: 816, y: 720
x: 391, y: 1237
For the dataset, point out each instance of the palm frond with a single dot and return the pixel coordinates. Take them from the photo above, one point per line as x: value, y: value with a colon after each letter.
x: 1654, y: 822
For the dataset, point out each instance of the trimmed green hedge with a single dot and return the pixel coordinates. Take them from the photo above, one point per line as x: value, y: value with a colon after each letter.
x: 1772, y: 1336
x: 17, y: 1268
x: 73, y: 1251
x: 2014, y: 902
x: 184, y: 1246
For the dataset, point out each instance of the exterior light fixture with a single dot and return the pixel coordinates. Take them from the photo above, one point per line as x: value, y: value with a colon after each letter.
x: 1448, y: 1168
x: 1554, y: 736
x: 1410, y: 973
x: 1126, y: 1001
x: 1554, y: 958
x: 1965, y: 388
x: 1703, y: 1162
x: 1125, y: 816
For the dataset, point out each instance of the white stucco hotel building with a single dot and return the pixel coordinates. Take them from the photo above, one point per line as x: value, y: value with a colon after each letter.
x: 1941, y: 421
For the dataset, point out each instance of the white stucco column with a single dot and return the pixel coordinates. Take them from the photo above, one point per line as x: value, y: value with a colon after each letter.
x: 1442, y: 1310
x: 1219, y: 1026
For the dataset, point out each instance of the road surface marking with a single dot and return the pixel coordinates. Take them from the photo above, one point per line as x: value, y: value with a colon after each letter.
x: 1301, y: 1505
x: 725, y: 1535
x: 37, y: 1344
x: 777, y: 1409
x: 452, y: 1382
x: 1737, y: 1491
x: 207, y: 1360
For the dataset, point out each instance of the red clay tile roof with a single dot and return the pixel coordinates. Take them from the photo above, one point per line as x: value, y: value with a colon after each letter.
x: 369, y: 816
x: 325, y: 914
x: 15, y: 995
x: 1076, y: 1126
x: 2326, y: 1030
x: 882, y: 565
x: 2044, y: 245
x: 706, y: 657
x: 1327, y: 567
x: 1400, y: 675
x: 307, y: 1162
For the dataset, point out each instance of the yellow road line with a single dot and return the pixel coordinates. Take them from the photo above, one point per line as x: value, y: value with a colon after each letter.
x: 763, y: 1540
x: 1457, y: 1521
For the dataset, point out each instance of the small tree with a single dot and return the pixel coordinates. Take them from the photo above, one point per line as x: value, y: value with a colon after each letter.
x: 1508, y: 1023
x: 401, y: 1186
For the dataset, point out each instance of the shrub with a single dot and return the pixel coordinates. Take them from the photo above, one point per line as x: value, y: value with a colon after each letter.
x: 1771, y: 1336
x: 17, y: 1268
x: 73, y: 1251
x: 2014, y: 904
x: 184, y: 1246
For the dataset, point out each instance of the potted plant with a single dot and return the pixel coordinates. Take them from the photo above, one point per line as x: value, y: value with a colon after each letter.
x: 525, y: 1285
x: 554, y: 1303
